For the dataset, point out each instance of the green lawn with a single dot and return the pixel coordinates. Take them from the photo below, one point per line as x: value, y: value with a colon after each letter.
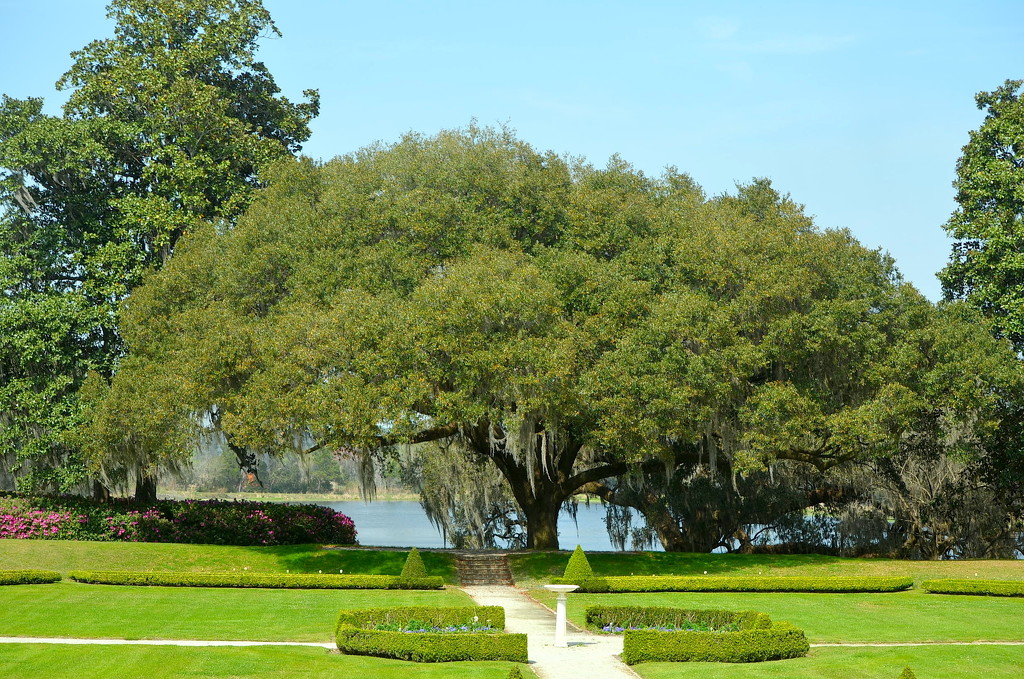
x: 78, y: 610
x: 105, y: 611
x: 829, y: 618
x: 939, y: 662
x: 67, y: 555
x: 39, y: 661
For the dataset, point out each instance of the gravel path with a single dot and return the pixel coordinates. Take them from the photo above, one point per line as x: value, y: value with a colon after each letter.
x: 594, y: 656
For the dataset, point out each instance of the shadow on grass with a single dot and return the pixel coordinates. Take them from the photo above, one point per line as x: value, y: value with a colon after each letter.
x: 314, y: 559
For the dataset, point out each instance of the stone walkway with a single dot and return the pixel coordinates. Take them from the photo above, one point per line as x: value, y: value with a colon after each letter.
x: 594, y: 656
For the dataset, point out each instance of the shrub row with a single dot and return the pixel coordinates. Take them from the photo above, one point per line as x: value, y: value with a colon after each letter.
x: 441, y: 616
x: 779, y: 642
x: 356, y: 636
x: 261, y: 580
x: 28, y: 577
x: 982, y: 587
x: 716, y: 583
x: 215, y: 522
x: 757, y: 640
x: 664, y: 616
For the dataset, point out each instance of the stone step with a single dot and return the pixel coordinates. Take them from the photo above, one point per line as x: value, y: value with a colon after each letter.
x: 484, y: 569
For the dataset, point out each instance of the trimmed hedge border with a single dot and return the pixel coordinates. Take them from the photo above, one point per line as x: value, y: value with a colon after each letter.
x: 28, y: 577
x: 780, y: 642
x: 718, y: 583
x: 354, y: 635
x: 258, y: 580
x: 625, y: 616
x: 758, y: 640
x: 977, y: 587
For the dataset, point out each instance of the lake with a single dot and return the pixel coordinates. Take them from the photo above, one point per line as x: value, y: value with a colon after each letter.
x: 404, y: 524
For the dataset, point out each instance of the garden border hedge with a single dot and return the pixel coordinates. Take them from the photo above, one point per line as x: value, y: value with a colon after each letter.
x: 598, y: 616
x: 256, y: 580
x: 29, y: 577
x: 780, y: 642
x: 976, y: 587
x: 354, y: 635
x: 720, y: 583
x: 758, y: 639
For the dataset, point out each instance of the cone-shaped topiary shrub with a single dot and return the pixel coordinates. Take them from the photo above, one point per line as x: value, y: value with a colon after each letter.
x: 515, y: 673
x: 414, y: 567
x: 578, y: 569
x: 907, y: 673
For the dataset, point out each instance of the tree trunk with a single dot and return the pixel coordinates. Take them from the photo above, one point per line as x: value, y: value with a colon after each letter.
x: 542, y: 523
x: 145, y: 489
x: 541, y: 485
x: 100, y: 493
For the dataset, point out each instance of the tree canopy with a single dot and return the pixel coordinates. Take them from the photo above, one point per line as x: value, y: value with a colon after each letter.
x: 561, y: 321
x: 167, y: 125
x: 987, y: 264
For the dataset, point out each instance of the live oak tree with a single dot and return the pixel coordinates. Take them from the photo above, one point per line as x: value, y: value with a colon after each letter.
x: 815, y: 353
x: 167, y: 126
x: 987, y: 264
x: 561, y: 322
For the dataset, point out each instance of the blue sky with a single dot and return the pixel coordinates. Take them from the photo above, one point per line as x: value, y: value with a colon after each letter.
x: 858, y: 110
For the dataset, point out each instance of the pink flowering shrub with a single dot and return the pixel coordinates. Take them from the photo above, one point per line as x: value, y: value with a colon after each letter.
x: 217, y: 522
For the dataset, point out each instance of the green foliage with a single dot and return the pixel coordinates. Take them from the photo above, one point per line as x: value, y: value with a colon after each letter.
x: 28, y: 577
x: 546, y: 315
x: 433, y: 615
x: 758, y: 638
x: 260, y: 580
x: 414, y: 567
x: 167, y: 125
x: 779, y: 643
x: 211, y: 521
x: 578, y: 569
x: 986, y: 267
x: 713, y: 583
x: 598, y: 617
x: 515, y: 673
x: 983, y: 587
x: 356, y: 635
x: 907, y: 673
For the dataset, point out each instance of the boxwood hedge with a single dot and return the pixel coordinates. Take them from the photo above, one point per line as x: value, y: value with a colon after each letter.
x: 356, y: 634
x: 598, y: 617
x: 261, y: 580
x: 758, y: 638
x: 779, y: 642
x: 28, y: 577
x: 981, y: 587
x: 718, y: 583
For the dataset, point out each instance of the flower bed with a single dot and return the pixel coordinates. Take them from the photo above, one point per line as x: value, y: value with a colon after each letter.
x: 261, y: 580
x: 716, y: 583
x: 385, y: 633
x: 978, y: 587
x: 215, y: 522
x: 661, y: 634
x: 28, y: 577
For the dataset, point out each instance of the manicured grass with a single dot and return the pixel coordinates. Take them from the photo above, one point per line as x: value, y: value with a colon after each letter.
x: 39, y: 661
x: 536, y: 568
x: 105, y: 611
x: 827, y: 618
x: 67, y: 555
x: 938, y: 662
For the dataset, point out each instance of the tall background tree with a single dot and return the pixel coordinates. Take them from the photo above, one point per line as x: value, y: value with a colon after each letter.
x: 987, y: 264
x: 562, y: 323
x: 168, y: 125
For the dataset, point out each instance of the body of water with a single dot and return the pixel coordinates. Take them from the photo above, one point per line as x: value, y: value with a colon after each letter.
x: 404, y: 524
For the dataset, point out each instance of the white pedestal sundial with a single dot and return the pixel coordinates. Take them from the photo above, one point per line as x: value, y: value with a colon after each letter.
x: 561, y: 590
